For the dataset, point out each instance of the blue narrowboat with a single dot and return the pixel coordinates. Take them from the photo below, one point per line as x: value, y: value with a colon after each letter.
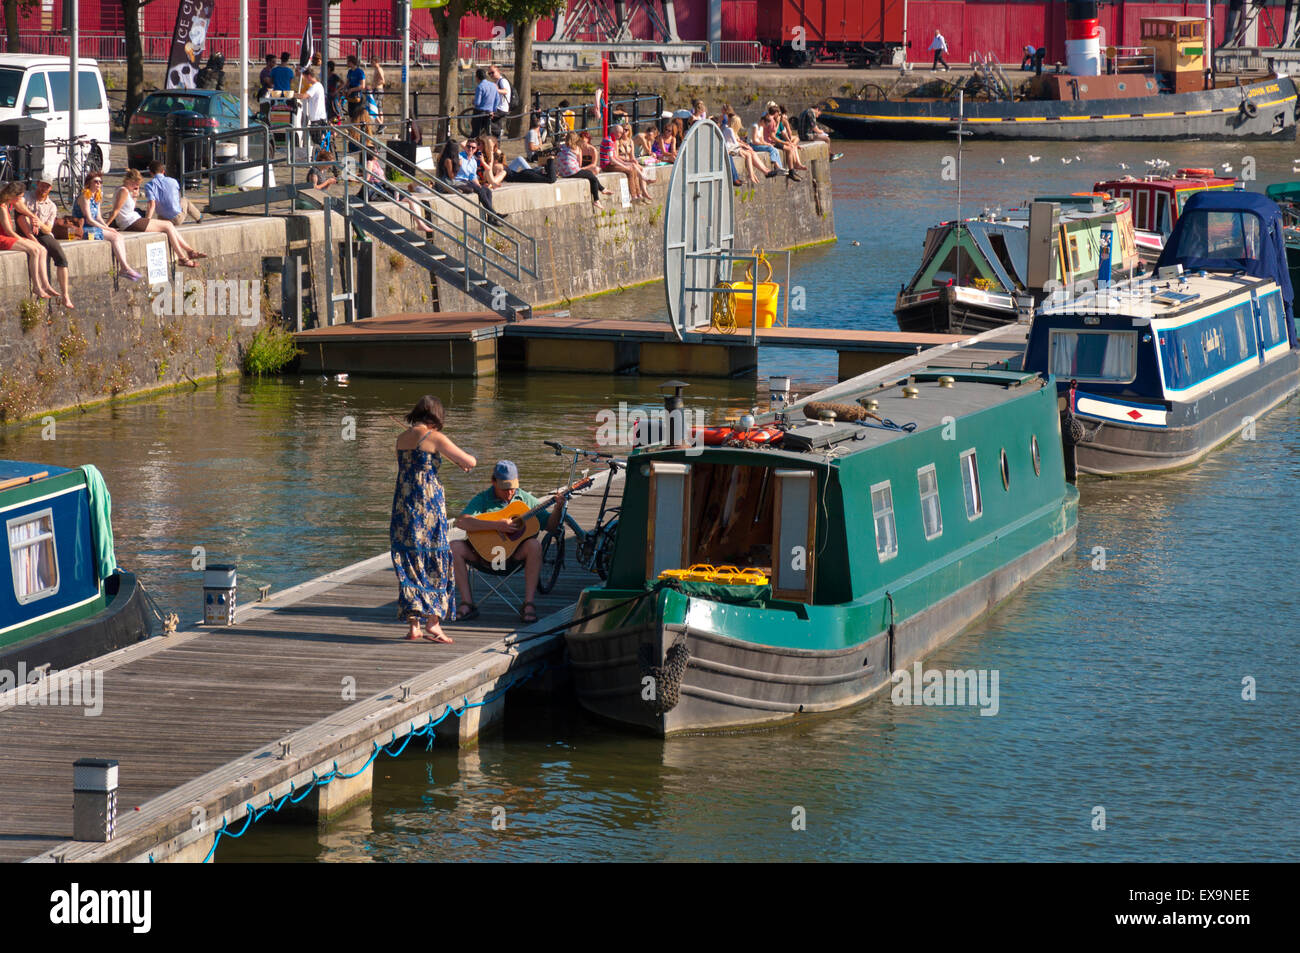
x: 65, y: 599
x: 1155, y: 373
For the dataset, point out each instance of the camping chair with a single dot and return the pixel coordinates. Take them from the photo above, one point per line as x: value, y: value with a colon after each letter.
x: 499, y: 584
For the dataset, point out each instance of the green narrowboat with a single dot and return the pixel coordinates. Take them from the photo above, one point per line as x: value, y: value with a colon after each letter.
x: 874, y: 537
x: 65, y: 599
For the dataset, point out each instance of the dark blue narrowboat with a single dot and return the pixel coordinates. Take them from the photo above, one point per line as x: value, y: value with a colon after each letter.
x: 65, y: 600
x: 1155, y: 372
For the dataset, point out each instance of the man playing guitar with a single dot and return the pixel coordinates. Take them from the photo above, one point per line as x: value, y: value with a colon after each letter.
x: 503, y: 491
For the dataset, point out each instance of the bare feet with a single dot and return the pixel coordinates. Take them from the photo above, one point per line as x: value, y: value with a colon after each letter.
x: 67, y: 303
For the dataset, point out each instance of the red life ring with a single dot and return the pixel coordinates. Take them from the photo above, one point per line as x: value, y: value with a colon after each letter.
x: 717, y: 436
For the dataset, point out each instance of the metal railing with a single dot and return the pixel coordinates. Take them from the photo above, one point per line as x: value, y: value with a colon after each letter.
x: 1131, y: 59
x: 156, y: 47
x: 733, y: 53
x: 210, y: 169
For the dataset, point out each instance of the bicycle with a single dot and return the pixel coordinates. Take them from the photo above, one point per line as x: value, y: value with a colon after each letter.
x: 71, y: 177
x: 594, y: 548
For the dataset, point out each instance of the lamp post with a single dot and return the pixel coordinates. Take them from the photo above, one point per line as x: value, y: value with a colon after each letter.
x: 243, y: 79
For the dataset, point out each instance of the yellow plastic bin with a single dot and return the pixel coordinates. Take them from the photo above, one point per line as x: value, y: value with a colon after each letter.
x: 742, y: 298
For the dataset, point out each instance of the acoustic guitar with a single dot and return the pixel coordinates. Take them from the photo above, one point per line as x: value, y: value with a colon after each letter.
x: 500, y: 544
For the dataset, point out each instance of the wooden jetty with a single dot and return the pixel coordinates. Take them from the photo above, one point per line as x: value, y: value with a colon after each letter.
x: 213, y: 721
x: 473, y: 344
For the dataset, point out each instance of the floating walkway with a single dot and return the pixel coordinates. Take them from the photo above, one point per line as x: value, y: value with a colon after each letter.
x: 476, y: 344
x: 213, y: 724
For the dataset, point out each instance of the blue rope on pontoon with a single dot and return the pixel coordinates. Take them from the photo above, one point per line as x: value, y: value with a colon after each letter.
x: 254, y: 814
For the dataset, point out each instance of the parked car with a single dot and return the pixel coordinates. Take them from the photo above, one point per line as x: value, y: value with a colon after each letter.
x: 37, y: 87
x: 196, y: 109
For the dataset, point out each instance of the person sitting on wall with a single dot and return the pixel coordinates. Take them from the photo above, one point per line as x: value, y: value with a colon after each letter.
x: 466, y: 178
x: 164, y: 196
x: 504, y: 490
x: 325, y: 174
x: 569, y: 165
x: 809, y: 129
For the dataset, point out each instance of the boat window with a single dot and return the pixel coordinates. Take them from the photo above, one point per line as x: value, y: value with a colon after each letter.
x: 1074, y: 253
x: 1244, y: 321
x: 668, y: 534
x: 1163, y: 225
x: 1006, y: 470
x: 1109, y: 356
x: 1218, y: 234
x: 882, y: 508
x: 794, y: 539
x: 1140, y: 210
x: 1033, y: 452
x: 931, y: 512
x: 970, y: 480
x: 998, y: 243
x: 32, y: 556
x: 1273, y: 308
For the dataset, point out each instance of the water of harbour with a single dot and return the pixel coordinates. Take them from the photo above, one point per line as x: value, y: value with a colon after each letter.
x: 1120, y: 689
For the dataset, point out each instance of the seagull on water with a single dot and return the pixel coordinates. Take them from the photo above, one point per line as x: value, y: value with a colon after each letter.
x: 1226, y: 167
x: 1124, y: 166
x: 1065, y: 161
x: 1002, y: 160
x: 1034, y: 158
x: 1077, y: 159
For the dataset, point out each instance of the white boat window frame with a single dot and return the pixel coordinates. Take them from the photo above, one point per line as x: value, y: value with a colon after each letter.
x: 886, y: 554
x: 1054, y: 333
x: 47, y: 513
x: 933, y: 471
x: 970, y: 480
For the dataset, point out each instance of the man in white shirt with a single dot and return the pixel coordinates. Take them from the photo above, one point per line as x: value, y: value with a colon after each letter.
x: 313, y: 100
x: 503, y: 104
x: 938, y: 46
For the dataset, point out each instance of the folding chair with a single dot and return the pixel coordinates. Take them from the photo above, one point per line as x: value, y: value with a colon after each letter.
x: 498, y: 583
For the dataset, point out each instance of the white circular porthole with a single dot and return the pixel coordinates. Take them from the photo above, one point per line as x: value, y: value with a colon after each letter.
x: 1033, y: 449
x: 1006, y: 471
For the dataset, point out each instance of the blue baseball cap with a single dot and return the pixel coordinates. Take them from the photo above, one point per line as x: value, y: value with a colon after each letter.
x: 506, y: 473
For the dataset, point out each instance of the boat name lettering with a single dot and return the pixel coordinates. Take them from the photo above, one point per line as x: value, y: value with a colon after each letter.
x: 1265, y: 90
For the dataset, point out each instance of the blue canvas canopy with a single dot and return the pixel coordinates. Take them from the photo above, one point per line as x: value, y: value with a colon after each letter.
x: 1232, y: 231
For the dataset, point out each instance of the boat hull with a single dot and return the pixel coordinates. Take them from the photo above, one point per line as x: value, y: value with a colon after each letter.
x: 123, y: 621
x: 947, y: 315
x: 731, y: 681
x: 1203, y: 114
x: 1116, y: 449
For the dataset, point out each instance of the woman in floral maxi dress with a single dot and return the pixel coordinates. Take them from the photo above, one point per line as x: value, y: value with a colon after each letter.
x: 418, y: 531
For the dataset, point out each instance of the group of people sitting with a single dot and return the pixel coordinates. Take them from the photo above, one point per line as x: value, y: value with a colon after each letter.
x: 28, y: 219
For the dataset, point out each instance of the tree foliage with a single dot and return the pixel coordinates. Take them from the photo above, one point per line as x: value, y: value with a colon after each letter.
x: 522, y: 15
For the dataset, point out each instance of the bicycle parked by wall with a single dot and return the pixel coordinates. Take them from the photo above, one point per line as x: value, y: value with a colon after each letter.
x: 81, y: 157
x: 593, y: 548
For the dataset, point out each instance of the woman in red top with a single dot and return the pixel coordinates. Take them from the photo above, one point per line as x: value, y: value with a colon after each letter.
x: 10, y: 239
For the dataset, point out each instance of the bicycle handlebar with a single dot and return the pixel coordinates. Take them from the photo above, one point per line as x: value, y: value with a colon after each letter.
x: 560, y: 448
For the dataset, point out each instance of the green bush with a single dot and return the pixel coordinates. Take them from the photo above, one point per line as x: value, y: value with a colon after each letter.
x: 270, y: 351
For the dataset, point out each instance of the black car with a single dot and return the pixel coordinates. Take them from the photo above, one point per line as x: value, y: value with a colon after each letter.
x: 196, y: 110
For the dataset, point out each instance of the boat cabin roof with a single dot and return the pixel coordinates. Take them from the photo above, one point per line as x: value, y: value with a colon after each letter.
x: 18, y: 469
x: 1177, y: 182
x: 1172, y: 300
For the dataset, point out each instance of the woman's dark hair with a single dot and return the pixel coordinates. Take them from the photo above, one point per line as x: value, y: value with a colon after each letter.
x: 428, y: 410
x: 11, y: 192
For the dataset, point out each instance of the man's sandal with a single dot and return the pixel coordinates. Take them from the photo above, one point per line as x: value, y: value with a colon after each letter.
x: 529, y: 613
x: 466, y: 611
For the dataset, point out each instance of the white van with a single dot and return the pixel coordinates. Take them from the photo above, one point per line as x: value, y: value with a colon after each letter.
x: 37, y: 86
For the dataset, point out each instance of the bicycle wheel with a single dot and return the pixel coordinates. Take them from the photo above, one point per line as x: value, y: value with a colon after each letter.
x: 552, y: 561
x: 605, y: 549
x: 68, y: 192
x: 94, y: 159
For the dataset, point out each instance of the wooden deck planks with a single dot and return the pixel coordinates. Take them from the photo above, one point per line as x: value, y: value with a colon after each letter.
x: 187, y: 711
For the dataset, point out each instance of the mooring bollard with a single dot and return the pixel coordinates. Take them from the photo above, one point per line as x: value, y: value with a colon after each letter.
x: 219, y: 595
x: 94, y: 799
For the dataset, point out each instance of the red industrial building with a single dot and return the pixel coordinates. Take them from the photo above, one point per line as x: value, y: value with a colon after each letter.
x: 1000, y: 27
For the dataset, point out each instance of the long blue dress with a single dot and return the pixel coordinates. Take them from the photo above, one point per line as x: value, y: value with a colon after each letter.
x: 417, y: 533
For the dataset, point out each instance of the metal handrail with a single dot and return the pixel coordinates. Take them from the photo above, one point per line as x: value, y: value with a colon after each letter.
x: 226, y: 168
x: 472, y: 233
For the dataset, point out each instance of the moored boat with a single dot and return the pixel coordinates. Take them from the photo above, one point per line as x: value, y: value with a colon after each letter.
x: 1165, y: 89
x: 1155, y: 374
x: 1287, y: 197
x: 66, y: 600
x: 974, y: 274
x: 1157, y: 200
x: 749, y: 585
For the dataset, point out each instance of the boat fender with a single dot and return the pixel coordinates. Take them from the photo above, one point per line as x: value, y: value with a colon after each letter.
x: 668, y: 677
x: 1198, y: 173
x: 1250, y: 109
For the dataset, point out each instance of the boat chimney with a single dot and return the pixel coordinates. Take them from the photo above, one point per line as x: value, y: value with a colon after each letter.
x: 1082, y: 38
x: 778, y: 392
x: 675, y: 412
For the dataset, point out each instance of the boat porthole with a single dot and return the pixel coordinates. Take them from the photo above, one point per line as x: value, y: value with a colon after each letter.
x: 1006, y: 471
x: 1033, y: 449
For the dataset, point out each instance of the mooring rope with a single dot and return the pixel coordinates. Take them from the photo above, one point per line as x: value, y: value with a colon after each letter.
x: 255, y: 814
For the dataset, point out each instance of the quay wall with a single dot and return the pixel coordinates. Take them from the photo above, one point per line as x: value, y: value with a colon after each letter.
x: 116, y: 344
